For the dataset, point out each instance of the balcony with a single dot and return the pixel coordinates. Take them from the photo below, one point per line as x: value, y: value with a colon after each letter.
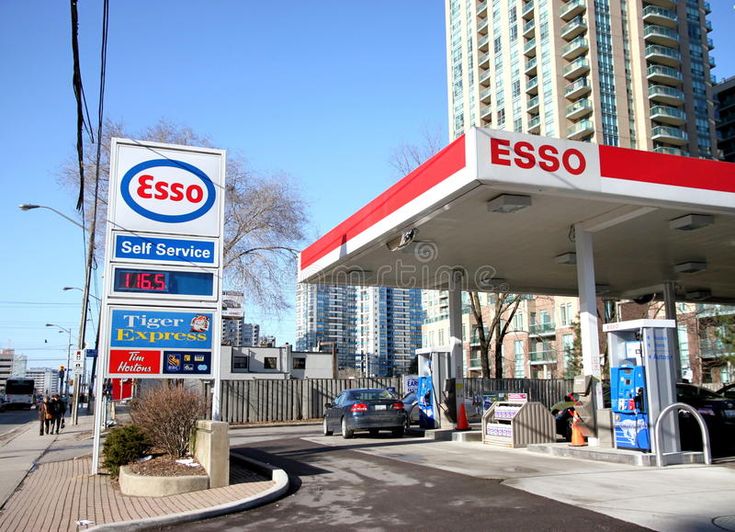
x: 534, y: 125
x: 669, y: 135
x: 486, y: 95
x: 669, y: 151
x: 486, y: 112
x: 659, y: 15
x: 482, y: 43
x: 548, y: 356
x: 668, y: 115
x: 707, y: 7
x: 663, y: 55
x: 576, y: 90
x: 572, y: 9
x: 666, y: 95
x: 664, y: 74
x: 531, y: 66
x: 530, y: 48
x: 532, y: 106
x: 482, y: 26
x: 574, y: 27
x: 668, y: 4
x: 580, y: 129
x: 528, y: 28
x: 576, y: 68
x: 710, y: 43
x: 485, y: 78
x: 708, y: 25
x: 661, y: 35
x: 483, y: 60
x: 544, y: 328
x: 713, y: 348
x: 527, y: 11
x: 532, y: 85
x: 579, y: 109
x: 481, y: 7
x: 575, y: 48
x: 712, y: 63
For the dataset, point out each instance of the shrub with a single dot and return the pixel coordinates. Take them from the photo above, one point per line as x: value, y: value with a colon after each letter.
x: 168, y: 414
x: 123, y: 445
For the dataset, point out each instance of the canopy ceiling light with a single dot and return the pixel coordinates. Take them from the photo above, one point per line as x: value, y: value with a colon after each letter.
x: 402, y: 240
x: 699, y: 295
x: 507, y: 203
x: 690, y: 222
x: 691, y: 266
x: 566, y: 258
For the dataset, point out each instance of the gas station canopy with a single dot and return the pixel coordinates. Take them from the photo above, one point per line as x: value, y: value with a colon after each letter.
x: 504, y: 207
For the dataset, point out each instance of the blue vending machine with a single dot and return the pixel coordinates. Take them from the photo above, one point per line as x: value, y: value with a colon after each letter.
x: 642, y: 383
x: 627, y: 397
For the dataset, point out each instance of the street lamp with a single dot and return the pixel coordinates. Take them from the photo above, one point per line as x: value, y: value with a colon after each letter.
x: 67, y: 288
x: 87, y: 279
x: 68, y: 356
x: 30, y: 206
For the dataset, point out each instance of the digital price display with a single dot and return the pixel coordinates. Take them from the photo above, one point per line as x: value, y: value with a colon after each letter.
x: 172, y: 282
x: 141, y: 281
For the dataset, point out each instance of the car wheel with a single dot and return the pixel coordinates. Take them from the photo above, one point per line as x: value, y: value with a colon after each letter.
x: 397, y: 432
x: 346, y: 433
x: 325, y: 428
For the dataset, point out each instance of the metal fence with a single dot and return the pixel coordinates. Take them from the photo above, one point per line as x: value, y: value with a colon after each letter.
x: 546, y: 391
x: 266, y: 400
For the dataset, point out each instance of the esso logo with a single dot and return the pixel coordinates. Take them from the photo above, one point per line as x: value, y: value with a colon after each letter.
x: 525, y: 155
x: 165, y: 190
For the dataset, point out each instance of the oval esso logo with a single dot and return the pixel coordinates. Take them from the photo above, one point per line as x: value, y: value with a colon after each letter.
x: 169, y: 191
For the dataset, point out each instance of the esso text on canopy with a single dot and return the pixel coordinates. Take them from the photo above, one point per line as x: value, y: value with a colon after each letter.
x: 166, y: 190
x: 546, y: 157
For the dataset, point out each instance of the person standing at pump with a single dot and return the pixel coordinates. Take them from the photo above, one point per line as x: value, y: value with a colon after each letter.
x: 44, y: 415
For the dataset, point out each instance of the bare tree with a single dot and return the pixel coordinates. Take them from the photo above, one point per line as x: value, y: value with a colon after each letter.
x: 504, y: 308
x: 407, y: 157
x: 265, y: 216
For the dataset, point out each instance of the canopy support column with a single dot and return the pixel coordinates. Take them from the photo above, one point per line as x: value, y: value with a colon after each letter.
x: 670, y: 312
x: 588, y: 322
x: 455, y: 336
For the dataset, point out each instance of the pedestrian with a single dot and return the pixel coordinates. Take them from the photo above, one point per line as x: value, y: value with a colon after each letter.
x: 64, y: 406
x: 56, y: 407
x: 44, y: 415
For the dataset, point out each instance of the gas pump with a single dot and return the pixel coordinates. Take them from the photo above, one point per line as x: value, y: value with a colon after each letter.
x: 642, y: 383
x: 433, y: 371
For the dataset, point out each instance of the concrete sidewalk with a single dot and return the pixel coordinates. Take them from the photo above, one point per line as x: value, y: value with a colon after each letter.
x: 45, y: 485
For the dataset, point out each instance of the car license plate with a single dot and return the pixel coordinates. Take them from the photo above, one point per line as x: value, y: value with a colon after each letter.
x: 729, y: 414
x: 380, y: 407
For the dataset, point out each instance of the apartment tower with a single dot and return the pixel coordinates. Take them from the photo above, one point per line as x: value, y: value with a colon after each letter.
x: 629, y: 73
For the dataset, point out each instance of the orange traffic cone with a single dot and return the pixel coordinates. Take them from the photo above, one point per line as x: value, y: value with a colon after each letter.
x: 577, y: 436
x: 462, y: 423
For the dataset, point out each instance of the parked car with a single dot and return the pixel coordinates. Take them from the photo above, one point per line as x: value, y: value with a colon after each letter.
x: 728, y: 391
x: 718, y: 412
x: 364, y: 409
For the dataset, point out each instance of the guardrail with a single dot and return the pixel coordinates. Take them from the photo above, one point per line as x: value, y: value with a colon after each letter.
x: 706, y: 452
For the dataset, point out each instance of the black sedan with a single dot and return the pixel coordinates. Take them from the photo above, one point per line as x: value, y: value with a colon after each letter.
x: 364, y: 409
x: 718, y: 412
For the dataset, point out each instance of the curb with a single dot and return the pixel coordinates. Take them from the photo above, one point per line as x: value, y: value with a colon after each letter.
x: 278, y: 475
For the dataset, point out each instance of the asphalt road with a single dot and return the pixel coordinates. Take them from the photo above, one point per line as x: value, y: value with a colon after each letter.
x: 12, y: 420
x: 338, y: 488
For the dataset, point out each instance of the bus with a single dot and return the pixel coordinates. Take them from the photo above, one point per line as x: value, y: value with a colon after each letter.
x: 19, y: 393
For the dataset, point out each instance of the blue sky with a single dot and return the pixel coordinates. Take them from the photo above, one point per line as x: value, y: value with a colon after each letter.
x: 322, y: 90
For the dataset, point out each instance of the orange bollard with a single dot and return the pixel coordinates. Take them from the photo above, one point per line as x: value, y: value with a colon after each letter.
x: 577, y: 436
x: 462, y: 423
